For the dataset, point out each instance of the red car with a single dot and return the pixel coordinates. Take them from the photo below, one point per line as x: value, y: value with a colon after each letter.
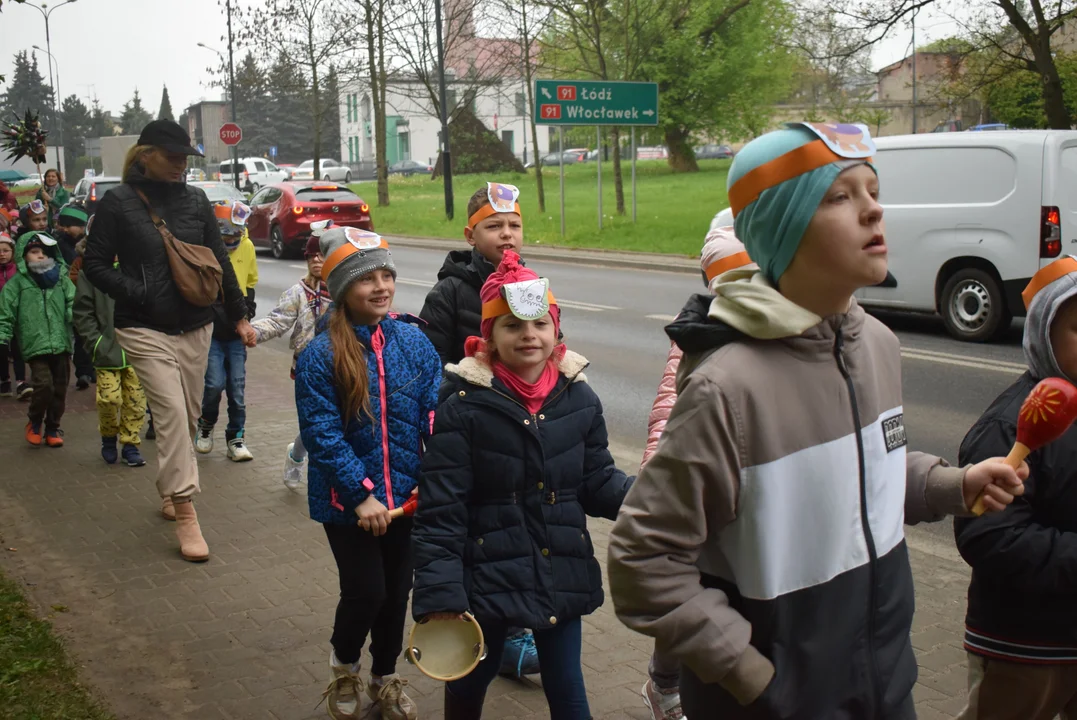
x: 281, y: 214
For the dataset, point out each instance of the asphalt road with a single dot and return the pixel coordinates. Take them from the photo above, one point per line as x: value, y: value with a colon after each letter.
x: 614, y: 317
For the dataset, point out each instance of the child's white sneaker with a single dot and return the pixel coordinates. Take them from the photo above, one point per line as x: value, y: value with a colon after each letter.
x: 237, y: 450
x: 342, y: 698
x: 293, y: 469
x: 203, y: 441
x: 393, y: 702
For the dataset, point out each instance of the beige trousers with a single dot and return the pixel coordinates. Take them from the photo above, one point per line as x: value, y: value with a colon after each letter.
x: 1001, y: 690
x: 172, y: 369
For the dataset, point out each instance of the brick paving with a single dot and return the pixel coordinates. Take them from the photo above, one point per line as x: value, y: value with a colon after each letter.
x: 246, y: 634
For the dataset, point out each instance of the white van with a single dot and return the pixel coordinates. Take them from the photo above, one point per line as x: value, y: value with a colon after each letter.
x: 970, y: 217
x: 254, y: 174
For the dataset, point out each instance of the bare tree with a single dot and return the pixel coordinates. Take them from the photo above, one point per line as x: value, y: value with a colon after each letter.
x: 1026, y: 34
x: 526, y: 21
x: 833, y: 75
x: 313, y: 34
x: 374, y: 16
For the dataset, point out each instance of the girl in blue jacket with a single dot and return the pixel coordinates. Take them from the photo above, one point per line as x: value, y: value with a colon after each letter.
x: 366, y: 391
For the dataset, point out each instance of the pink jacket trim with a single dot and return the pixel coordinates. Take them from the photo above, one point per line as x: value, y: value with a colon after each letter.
x: 663, y: 403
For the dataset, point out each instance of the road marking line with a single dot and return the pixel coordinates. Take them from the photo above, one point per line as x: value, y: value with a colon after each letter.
x: 989, y: 361
x: 297, y: 267
x: 1009, y: 369
x: 417, y: 283
x: 574, y: 305
x: 663, y: 318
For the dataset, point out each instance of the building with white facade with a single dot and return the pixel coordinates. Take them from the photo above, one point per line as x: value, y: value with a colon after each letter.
x: 412, y: 127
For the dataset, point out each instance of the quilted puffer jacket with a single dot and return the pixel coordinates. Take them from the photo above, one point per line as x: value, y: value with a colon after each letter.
x: 378, y: 456
x: 504, y: 497
x: 142, y: 285
x: 298, y: 310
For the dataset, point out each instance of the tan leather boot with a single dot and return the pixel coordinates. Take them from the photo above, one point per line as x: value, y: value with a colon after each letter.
x: 168, y: 510
x: 192, y: 546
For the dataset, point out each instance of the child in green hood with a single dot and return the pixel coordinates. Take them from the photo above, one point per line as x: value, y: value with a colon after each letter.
x: 37, y: 304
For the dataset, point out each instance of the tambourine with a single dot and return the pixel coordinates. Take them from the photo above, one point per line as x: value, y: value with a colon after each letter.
x: 446, y: 650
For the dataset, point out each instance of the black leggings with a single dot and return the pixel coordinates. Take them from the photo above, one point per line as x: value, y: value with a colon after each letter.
x: 375, y: 579
x: 11, y: 350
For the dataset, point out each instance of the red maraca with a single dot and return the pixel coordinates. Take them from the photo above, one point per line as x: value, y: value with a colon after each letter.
x: 408, y: 508
x: 1046, y: 414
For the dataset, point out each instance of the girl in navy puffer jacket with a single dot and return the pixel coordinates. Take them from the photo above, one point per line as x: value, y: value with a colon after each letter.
x: 366, y: 391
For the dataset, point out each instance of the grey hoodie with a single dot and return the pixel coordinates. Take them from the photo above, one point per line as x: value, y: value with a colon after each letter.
x: 1041, y: 314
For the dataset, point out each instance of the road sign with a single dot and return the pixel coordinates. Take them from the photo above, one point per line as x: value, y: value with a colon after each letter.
x: 596, y: 102
x: 199, y: 147
x: 231, y: 134
x: 273, y: 151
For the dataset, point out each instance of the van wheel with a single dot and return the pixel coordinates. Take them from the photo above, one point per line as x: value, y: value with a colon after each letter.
x: 276, y: 243
x: 348, y: 177
x: 973, y: 307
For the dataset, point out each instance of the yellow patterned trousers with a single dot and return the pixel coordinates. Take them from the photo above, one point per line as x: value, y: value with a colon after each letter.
x: 121, y: 404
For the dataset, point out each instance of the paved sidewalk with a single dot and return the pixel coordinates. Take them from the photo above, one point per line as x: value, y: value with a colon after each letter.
x: 246, y: 634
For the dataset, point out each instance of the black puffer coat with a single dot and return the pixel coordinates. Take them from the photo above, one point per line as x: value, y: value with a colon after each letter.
x: 142, y: 285
x: 501, y: 527
x: 453, y: 309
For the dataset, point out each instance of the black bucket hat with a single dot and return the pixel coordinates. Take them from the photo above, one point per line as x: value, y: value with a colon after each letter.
x: 169, y: 136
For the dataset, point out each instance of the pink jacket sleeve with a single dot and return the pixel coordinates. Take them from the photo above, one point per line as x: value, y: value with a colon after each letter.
x: 663, y: 403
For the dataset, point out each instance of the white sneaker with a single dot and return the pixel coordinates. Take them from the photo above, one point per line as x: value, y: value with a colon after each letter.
x: 293, y: 469
x: 237, y: 450
x: 342, y: 697
x: 203, y: 441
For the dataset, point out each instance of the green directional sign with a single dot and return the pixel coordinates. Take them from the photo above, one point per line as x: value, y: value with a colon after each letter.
x: 595, y: 102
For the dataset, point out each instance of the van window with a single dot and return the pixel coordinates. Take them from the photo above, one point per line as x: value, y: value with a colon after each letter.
x: 950, y: 176
x: 226, y: 168
x: 261, y: 166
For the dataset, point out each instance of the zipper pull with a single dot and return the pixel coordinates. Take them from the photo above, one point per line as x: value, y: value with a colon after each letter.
x: 534, y: 419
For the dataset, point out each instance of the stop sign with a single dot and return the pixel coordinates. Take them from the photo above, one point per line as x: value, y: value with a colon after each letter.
x: 231, y: 134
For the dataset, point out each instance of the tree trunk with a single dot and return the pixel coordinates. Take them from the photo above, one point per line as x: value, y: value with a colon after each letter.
x: 1054, y: 101
x: 534, y: 135
x: 618, y: 181
x: 383, y: 166
x: 316, y: 103
x: 376, y: 104
x: 681, y: 156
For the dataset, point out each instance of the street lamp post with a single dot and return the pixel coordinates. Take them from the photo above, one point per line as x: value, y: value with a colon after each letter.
x: 231, y: 87
x: 446, y: 157
x: 46, y: 11
x: 58, y: 105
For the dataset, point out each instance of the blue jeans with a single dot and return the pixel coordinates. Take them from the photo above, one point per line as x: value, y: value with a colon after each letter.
x: 226, y: 372
x: 559, y: 651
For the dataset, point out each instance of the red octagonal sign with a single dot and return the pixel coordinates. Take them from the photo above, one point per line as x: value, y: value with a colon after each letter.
x: 231, y: 134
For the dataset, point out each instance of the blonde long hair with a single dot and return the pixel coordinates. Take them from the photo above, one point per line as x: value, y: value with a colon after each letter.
x: 349, y: 367
x: 134, y: 155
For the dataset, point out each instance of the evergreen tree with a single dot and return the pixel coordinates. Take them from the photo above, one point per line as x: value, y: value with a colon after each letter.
x: 253, y: 107
x: 134, y: 116
x: 77, y: 121
x: 100, y: 123
x: 331, y: 117
x: 28, y: 90
x: 165, y: 113
x: 291, y: 124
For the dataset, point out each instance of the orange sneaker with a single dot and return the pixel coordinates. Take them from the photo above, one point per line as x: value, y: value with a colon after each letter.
x: 54, y: 438
x: 33, y: 433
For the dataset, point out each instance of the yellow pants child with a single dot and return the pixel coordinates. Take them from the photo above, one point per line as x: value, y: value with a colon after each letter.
x: 121, y: 404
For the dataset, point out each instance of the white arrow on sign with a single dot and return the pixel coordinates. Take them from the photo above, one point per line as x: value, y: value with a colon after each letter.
x: 547, y: 93
x: 648, y: 112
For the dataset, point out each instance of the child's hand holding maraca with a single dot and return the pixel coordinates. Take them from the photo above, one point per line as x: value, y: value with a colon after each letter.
x: 998, y: 482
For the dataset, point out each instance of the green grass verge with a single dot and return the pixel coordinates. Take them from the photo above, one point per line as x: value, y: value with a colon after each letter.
x: 673, y: 210
x: 37, y: 681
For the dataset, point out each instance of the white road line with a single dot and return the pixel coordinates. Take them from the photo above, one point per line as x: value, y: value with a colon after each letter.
x: 1008, y: 368
x: 416, y: 283
x: 574, y: 305
x: 297, y: 267
x: 663, y: 318
x: 989, y: 361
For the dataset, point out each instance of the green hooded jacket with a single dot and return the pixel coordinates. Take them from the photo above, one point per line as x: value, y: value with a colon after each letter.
x: 42, y: 317
x: 93, y: 321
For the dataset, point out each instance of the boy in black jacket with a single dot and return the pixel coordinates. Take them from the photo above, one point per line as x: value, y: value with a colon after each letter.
x: 1021, y: 624
x: 453, y: 313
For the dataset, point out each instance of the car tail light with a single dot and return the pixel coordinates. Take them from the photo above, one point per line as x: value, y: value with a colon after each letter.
x: 1050, y: 232
x: 298, y: 210
x: 364, y: 208
x: 93, y: 192
x: 324, y: 187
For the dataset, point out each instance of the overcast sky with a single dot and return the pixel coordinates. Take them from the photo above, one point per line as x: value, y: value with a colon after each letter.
x: 108, y: 48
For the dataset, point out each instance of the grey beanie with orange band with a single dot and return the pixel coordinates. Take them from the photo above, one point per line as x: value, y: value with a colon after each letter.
x: 1044, y: 296
x: 351, y: 253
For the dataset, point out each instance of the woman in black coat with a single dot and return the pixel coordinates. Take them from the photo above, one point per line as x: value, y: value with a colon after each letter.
x: 165, y: 337
x: 517, y: 461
